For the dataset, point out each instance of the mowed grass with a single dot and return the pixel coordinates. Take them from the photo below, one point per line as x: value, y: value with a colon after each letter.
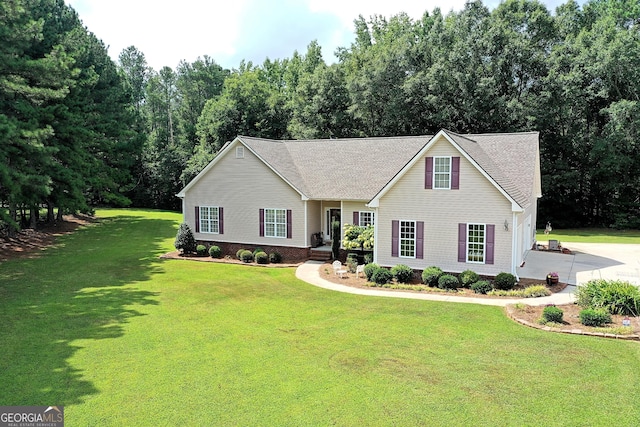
x: 591, y: 235
x: 101, y: 325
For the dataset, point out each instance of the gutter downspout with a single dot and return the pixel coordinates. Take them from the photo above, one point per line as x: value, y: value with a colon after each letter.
x: 514, y: 245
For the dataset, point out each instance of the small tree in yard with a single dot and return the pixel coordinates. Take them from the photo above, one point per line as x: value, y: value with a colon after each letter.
x: 185, y: 242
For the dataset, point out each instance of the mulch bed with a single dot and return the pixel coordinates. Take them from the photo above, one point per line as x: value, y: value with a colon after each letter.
x: 350, y: 279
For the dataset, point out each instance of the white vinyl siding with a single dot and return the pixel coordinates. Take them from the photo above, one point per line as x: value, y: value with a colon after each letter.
x: 476, y: 243
x: 477, y: 201
x: 275, y: 223
x: 407, y: 239
x: 228, y: 183
x: 209, y: 219
x: 442, y: 173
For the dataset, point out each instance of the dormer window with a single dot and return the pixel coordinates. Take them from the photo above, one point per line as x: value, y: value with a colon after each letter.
x: 442, y: 173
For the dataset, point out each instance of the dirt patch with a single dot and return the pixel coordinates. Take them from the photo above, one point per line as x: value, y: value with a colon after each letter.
x: 29, y: 243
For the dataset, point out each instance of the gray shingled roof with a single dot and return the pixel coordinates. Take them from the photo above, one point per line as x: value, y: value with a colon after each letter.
x: 358, y: 168
x: 338, y: 169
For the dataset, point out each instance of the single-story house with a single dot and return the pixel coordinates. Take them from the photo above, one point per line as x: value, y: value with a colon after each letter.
x: 454, y: 201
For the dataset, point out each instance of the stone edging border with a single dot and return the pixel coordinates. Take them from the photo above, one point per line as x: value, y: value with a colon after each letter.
x: 511, y: 314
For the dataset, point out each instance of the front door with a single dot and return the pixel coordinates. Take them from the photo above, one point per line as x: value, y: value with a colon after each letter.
x: 332, y: 214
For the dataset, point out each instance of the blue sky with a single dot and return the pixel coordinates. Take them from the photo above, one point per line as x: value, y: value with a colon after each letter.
x: 229, y: 31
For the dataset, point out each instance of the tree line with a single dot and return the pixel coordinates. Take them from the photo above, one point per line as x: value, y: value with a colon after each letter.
x: 79, y: 130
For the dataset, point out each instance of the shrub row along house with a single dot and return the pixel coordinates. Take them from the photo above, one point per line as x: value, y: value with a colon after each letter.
x: 455, y: 201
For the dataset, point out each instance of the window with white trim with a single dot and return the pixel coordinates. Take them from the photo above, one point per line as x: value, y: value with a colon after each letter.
x: 442, y: 173
x: 407, y: 239
x: 209, y: 219
x: 476, y: 243
x: 366, y: 218
x: 239, y: 152
x: 275, y: 223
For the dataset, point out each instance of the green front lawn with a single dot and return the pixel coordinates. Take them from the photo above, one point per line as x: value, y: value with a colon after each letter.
x: 119, y: 337
x: 591, y: 235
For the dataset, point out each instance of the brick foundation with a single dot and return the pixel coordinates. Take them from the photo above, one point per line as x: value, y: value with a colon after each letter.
x: 289, y: 254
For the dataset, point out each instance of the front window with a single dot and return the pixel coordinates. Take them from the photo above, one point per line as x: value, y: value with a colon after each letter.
x: 476, y: 243
x: 275, y: 223
x: 209, y: 219
x: 365, y: 218
x: 442, y: 172
x: 407, y: 239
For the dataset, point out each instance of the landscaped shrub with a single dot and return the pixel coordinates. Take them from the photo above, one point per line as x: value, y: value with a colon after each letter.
x: 595, y: 317
x: 468, y: 278
x: 262, y: 258
x: 553, y: 314
x: 482, y: 287
x: 215, y: 251
x: 402, y: 273
x: 369, y: 269
x: 201, y: 250
x: 535, y: 291
x: 616, y: 296
x: 368, y: 258
x: 246, y: 256
x: 185, y: 242
x: 352, y: 262
x: 239, y: 253
x: 430, y: 276
x: 381, y: 276
x: 504, y: 281
x: 275, y: 258
x: 256, y: 250
x: 448, y: 281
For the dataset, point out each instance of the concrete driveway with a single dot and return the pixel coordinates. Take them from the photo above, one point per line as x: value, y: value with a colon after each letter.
x: 587, y: 261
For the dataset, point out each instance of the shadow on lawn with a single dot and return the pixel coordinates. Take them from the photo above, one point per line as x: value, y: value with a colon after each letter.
x: 84, y: 288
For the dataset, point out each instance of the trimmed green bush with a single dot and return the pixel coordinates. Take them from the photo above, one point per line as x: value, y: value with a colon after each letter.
x: 402, y: 273
x: 448, y: 281
x: 430, y: 276
x: 616, y: 296
x: 504, y: 281
x: 275, y: 258
x: 256, y: 250
x: 482, y: 287
x: 201, y: 250
x: 553, y: 314
x: 369, y: 269
x: 262, y: 258
x: 368, y: 258
x: 246, y: 256
x: 594, y: 317
x: 239, y: 253
x: 381, y: 276
x: 215, y: 252
x: 468, y: 278
x: 185, y: 242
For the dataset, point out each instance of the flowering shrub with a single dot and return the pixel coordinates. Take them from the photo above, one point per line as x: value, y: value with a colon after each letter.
x: 357, y: 237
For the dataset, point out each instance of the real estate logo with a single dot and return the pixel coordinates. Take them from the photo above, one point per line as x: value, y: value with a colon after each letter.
x: 31, y: 416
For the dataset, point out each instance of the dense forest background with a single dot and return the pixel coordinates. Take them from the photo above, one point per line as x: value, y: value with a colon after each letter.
x: 78, y: 130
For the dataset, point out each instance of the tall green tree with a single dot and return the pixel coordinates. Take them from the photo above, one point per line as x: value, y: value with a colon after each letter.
x: 34, y: 75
